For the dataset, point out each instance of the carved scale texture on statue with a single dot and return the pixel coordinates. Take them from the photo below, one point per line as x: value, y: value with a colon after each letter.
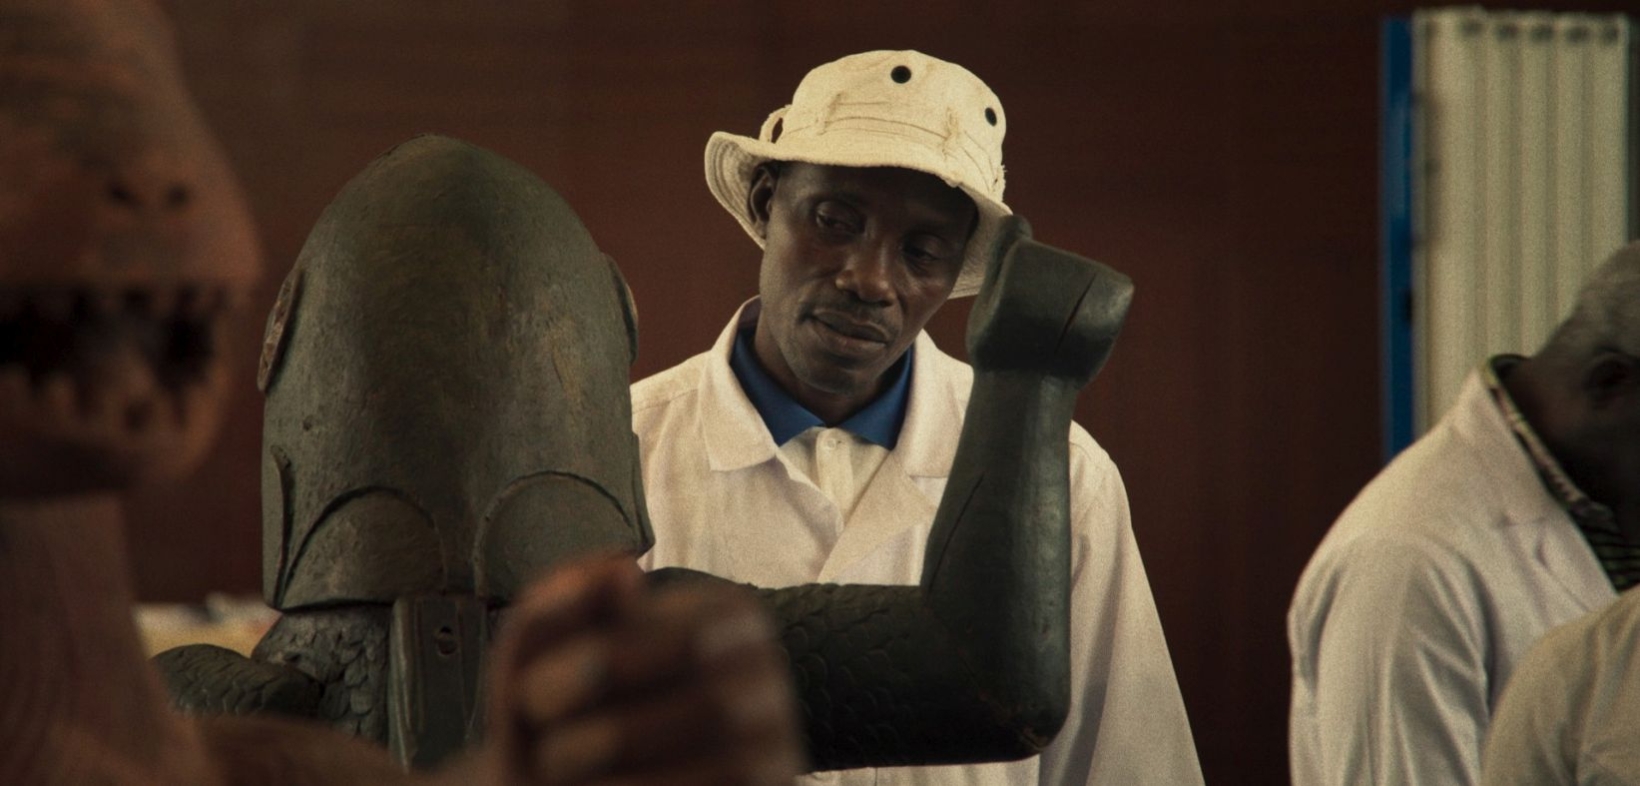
x: 447, y: 415
x: 328, y: 664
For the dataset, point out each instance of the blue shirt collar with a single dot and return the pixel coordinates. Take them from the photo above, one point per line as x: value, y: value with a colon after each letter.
x: 879, y: 422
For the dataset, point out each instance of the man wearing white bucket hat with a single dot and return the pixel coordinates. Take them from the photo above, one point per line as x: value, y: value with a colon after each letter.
x: 813, y: 441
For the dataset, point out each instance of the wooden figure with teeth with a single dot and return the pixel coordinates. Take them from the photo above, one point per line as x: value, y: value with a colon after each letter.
x: 122, y: 235
x: 123, y: 240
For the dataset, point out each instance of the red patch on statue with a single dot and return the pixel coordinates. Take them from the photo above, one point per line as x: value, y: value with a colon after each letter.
x: 273, y: 342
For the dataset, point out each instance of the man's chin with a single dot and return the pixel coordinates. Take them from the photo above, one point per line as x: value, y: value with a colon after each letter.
x: 839, y: 377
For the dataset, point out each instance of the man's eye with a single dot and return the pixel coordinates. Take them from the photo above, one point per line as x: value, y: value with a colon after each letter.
x: 923, y: 255
x: 832, y: 218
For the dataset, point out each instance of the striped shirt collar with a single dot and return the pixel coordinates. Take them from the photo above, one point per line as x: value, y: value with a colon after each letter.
x: 1598, y: 523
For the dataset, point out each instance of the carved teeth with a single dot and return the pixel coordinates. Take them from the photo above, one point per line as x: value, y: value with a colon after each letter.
x: 139, y: 301
x: 137, y: 415
x: 84, y: 305
x: 54, y: 305
x: 56, y: 398
x: 105, y: 302
x: 16, y: 400
x: 191, y: 302
x: 162, y: 303
x: 113, y: 359
x: 14, y: 387
x: 129, y: 385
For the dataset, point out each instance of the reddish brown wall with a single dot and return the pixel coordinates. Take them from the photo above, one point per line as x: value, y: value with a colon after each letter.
x: 1221, y: 153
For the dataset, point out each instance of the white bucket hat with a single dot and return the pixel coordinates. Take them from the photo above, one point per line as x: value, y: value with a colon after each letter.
x: 900, y: 109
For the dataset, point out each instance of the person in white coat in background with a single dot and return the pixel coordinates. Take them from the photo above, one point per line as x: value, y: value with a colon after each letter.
x: 1570, y: 713
x: 1518, y: 512
x: 812, y: 442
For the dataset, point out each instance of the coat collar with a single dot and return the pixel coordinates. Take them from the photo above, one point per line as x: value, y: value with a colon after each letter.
x: 1514, y: 481
x: 735, y: 435
x: 1530, y: 512
x: 940, y: 386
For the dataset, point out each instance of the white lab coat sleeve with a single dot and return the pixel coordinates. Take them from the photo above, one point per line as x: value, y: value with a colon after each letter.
x: 1127, y: 721
x: 1401, y: 691
x: 1530, y: 741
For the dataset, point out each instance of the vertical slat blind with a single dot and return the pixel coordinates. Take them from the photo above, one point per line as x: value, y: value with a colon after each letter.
x: 1522, y: 175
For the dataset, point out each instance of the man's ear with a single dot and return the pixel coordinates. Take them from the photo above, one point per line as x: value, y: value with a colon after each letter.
x: 1612, y: 378
x: 760, y: 195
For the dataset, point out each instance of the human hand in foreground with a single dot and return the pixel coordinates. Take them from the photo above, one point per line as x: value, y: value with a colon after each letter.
x: 598, y: 679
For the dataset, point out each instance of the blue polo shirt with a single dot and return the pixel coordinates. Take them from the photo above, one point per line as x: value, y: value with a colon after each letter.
x: 879, y: 422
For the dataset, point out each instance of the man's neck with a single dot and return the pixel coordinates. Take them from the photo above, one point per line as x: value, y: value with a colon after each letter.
x: 1600, y: 477
x: 832, y: 408
x: 1606, y: 485
x: 1627, y: 513
x: 78, y: 702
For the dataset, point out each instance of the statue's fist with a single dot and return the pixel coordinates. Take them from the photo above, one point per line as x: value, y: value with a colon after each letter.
x: 1045, y: 310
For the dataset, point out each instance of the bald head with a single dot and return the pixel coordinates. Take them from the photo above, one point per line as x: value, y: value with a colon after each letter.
x: 1607, y: 315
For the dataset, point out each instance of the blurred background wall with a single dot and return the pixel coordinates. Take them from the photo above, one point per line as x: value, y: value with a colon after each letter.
x: 1223, y: 154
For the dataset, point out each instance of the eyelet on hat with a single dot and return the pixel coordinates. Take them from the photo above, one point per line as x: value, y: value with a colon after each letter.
x: 900, y: 74
x: 773, y: 124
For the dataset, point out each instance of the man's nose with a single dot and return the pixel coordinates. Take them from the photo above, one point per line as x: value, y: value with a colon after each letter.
x: 867, y: 274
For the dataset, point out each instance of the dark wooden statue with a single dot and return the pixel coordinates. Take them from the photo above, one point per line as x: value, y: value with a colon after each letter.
x: 445, y: 369
x: 446, y: 374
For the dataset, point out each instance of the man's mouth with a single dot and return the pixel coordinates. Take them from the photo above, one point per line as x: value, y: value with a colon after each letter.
x: 852, y: 328
x: 121, y: 360
x: 847, y: 341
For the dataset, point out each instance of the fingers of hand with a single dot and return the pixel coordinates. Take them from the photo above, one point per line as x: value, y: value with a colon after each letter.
x: 561, y: 606
x: 665, y: 636
x: 691, y: 679
x: 564, y: 604
x: 736, y: 707
x: 564, y: 680
x: 733, y: 769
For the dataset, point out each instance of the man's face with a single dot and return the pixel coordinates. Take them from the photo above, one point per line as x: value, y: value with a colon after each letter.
x: 855, y: 263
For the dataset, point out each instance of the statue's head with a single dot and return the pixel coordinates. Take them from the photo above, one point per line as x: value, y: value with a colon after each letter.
x: 446, y: 373
x: 123, y: 240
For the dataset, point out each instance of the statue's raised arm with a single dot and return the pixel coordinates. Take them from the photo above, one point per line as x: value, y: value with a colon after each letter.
x: 972, y: 665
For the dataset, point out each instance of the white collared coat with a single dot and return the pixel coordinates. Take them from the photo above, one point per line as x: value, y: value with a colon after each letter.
x: 724, y: 500
x: 1421, y: 599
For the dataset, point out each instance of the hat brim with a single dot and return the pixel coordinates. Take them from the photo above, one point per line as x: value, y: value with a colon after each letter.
x: 731, y: 159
